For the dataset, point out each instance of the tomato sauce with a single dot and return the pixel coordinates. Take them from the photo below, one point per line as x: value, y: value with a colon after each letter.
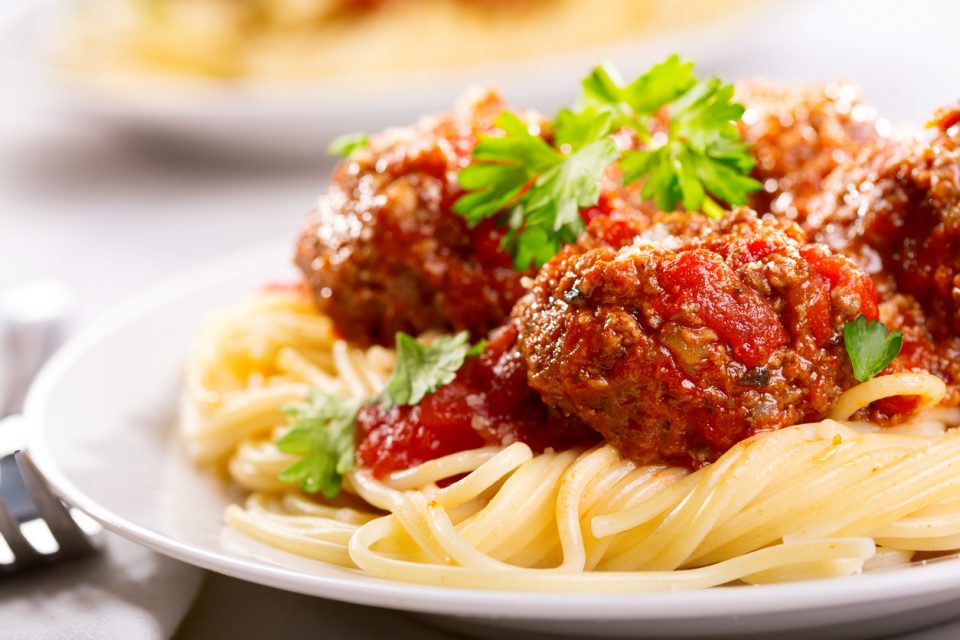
x: 738, y: 314
x: 489, y: 403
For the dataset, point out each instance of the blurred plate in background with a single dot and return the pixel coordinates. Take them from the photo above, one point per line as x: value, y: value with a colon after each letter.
x: 263, y: 111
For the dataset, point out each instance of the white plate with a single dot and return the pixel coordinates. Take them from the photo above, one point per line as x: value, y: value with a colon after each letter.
x: 296, y: 122
x: 102, y: 417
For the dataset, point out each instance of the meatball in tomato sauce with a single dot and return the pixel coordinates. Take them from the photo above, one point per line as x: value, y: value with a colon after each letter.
x: 798, y: 135
x: 488, y: 404
x: 383, y: 251
x: 895, y: 209
x: 676, y: 348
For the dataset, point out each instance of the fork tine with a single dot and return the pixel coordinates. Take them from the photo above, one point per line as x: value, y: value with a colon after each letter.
x: 23, y: 552
x: 65, y: 530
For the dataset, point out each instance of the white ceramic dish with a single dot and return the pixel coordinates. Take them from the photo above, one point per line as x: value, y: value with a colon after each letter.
x: 102, y: 417
x: 297, y: 121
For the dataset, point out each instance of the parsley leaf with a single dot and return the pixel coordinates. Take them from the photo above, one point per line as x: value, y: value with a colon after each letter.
x: 638, y: 101
x: 323, y: 428
x: 537, y: 188
x: 705, y: 151
x: 502, y: 167
x: 573, y: 130
x: 703, y: 154
x: 871, y: 346
x: 346, y: 144
x: 422, y: 369
x: 541, y: 188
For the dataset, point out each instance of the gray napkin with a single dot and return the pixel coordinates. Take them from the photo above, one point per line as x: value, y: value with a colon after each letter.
x: 124, y: 591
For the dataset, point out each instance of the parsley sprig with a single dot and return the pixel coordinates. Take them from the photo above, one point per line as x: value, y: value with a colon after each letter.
x: 536, y: 188
x: 322, y: 431
x: 323, y: 428
x: 703, y: 157
x: 346, y: 144
x: 871, y: 346
x: 541, y: 188
x: 420, y: 369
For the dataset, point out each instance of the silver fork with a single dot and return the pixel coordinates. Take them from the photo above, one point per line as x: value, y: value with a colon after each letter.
x: 72, y: 541
x: 32, y: 319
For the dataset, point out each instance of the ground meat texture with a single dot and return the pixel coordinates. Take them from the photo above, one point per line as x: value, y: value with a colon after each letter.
x: 923, y: 351
x: 622, y: 227
x: 489, y: 403
x: 798, y: 135
x: 615, y: 226
x: 676, y: 349
x: 896, y: 210
x: 383, y: 252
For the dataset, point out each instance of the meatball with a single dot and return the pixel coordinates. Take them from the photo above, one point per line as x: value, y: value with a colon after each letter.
x: 621, y: 228
x: 895, y: 209
x: 383, y: 252
x: 798, y: 136
x: 674, y: 348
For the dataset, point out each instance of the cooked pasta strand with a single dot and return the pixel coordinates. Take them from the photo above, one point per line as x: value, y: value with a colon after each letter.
x: 569, y: 520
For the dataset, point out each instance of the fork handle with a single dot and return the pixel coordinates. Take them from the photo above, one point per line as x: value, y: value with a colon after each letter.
x: 12, y: 489
x: 14, y: 492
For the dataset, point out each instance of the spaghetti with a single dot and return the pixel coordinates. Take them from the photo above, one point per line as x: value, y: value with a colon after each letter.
x: 277, y: 41
x: 576, y: 519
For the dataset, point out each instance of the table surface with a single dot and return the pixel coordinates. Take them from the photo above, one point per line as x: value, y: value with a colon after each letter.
x: 110, y: 217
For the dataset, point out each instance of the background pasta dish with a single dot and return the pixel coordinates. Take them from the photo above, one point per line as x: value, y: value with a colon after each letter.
x: 680, y: 335
x: 284, y: 39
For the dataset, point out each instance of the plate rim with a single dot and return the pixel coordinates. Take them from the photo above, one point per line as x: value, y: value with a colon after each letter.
x: 797, y: 597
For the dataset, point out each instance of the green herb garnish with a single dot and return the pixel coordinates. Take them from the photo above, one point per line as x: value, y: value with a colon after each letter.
x: 871, y: 346
x: 541, y: 188
x: 422, y: 369
x: 536, y: 189
x: 323, y: 431
x: 323, y: 428
x: 346, y: 144
x: 703, y: 157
